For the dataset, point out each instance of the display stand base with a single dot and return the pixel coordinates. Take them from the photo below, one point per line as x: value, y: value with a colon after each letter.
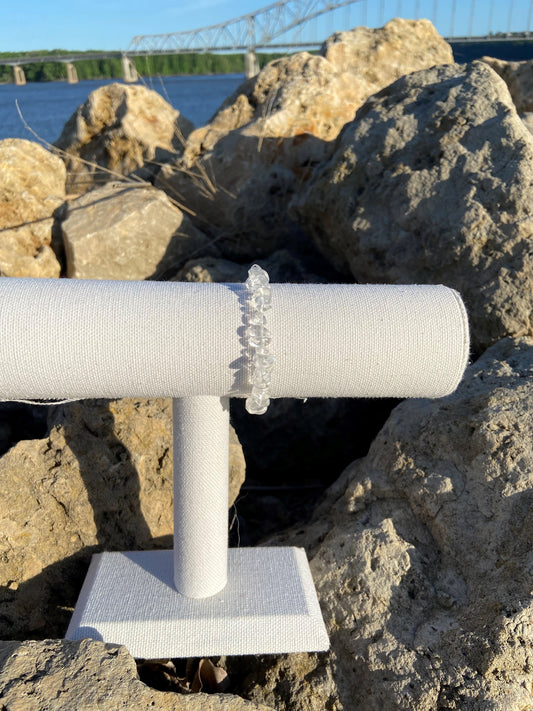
x: 269, y: 606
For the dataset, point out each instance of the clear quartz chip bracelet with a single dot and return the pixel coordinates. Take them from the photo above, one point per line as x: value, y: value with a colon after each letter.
x: 259, y: 298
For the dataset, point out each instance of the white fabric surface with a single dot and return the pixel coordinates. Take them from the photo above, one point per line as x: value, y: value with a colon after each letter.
x: 201, y: 446
x: 269, y: 606
x: 77, y: 339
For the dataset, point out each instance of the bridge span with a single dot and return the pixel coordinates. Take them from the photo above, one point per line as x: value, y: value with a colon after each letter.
x: 282, y: 25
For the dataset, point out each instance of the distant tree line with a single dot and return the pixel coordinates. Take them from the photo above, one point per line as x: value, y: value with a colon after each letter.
x: 111, y: 68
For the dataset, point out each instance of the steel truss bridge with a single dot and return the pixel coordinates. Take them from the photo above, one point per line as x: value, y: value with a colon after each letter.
x: 284, y: 25
x: 281, y: 24
x: 276, y: 26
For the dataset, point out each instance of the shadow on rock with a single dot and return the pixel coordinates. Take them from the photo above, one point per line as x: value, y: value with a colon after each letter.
x: 110, y: 478
x: 20, y: 421
x: 73, y: 494
x: 239, y: 192
x: 294, y: 452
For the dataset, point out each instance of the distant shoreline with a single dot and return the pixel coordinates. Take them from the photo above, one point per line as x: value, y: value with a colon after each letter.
x: 212, y: 64
x: 186, y: 64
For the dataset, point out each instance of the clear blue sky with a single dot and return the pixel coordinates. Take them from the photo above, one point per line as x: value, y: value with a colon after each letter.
x: 111, y: 24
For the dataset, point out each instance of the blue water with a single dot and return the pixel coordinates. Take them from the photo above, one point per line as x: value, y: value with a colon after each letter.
x: 46, y: 106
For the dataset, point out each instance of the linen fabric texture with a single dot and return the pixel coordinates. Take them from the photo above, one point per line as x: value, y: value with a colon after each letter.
x: 70, y: 339
x: 201, y: 443
x: 269, y: 606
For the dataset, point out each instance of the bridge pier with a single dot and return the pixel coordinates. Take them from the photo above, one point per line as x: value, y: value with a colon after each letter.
x: 19, y: 76
x: 72, y: 74
x: 251, y: 64
x: 129, y: 71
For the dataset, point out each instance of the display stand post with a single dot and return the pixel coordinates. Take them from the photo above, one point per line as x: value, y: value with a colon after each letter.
x: 201, y: 479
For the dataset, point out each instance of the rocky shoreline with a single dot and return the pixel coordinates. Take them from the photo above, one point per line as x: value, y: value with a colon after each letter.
x: 378, y: 160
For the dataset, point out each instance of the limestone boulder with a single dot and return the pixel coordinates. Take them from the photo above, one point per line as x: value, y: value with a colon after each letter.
x: 527, y: 118
x: 56, y: 675
x: 238, y: 172
x: 127, y: 231
x: 421, y: 555
x: 519, y: 79
x: 119, y: 129
x: 101, y: 480
x: 32, y: 187
x: 380, y: 56
x: 433, y: 183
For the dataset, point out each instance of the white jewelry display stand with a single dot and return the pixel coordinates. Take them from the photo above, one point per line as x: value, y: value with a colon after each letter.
x: 73, y: 339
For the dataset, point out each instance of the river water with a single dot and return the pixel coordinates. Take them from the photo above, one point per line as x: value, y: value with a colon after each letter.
x: 46, y: 106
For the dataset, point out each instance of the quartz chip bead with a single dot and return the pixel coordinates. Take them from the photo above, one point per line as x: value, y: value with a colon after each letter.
x: 257, y: 403
x: 258, y: 337
x: 259, y: 341
x: 262, y: 298
x: 257, y: 277
x: 264, y: 361
x: 261, y: 379
x: 256, y: 318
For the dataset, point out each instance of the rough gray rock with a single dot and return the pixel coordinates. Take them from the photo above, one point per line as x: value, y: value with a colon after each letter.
x: 117, y: 130
x: 126, y: 231
x: 519, y: 79
x: 212, y: 270
x: 527, y: 118
x: 56, y: 675
x: 238, y: 173
x: 377, y: 57
x: 32, y: 186
x: 433, y: 182
x: 101, y: 480
x: 421, y: 554
x: 281, y: 266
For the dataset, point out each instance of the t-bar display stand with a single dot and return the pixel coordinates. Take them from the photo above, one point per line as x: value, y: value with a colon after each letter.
x: 202, y: 344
